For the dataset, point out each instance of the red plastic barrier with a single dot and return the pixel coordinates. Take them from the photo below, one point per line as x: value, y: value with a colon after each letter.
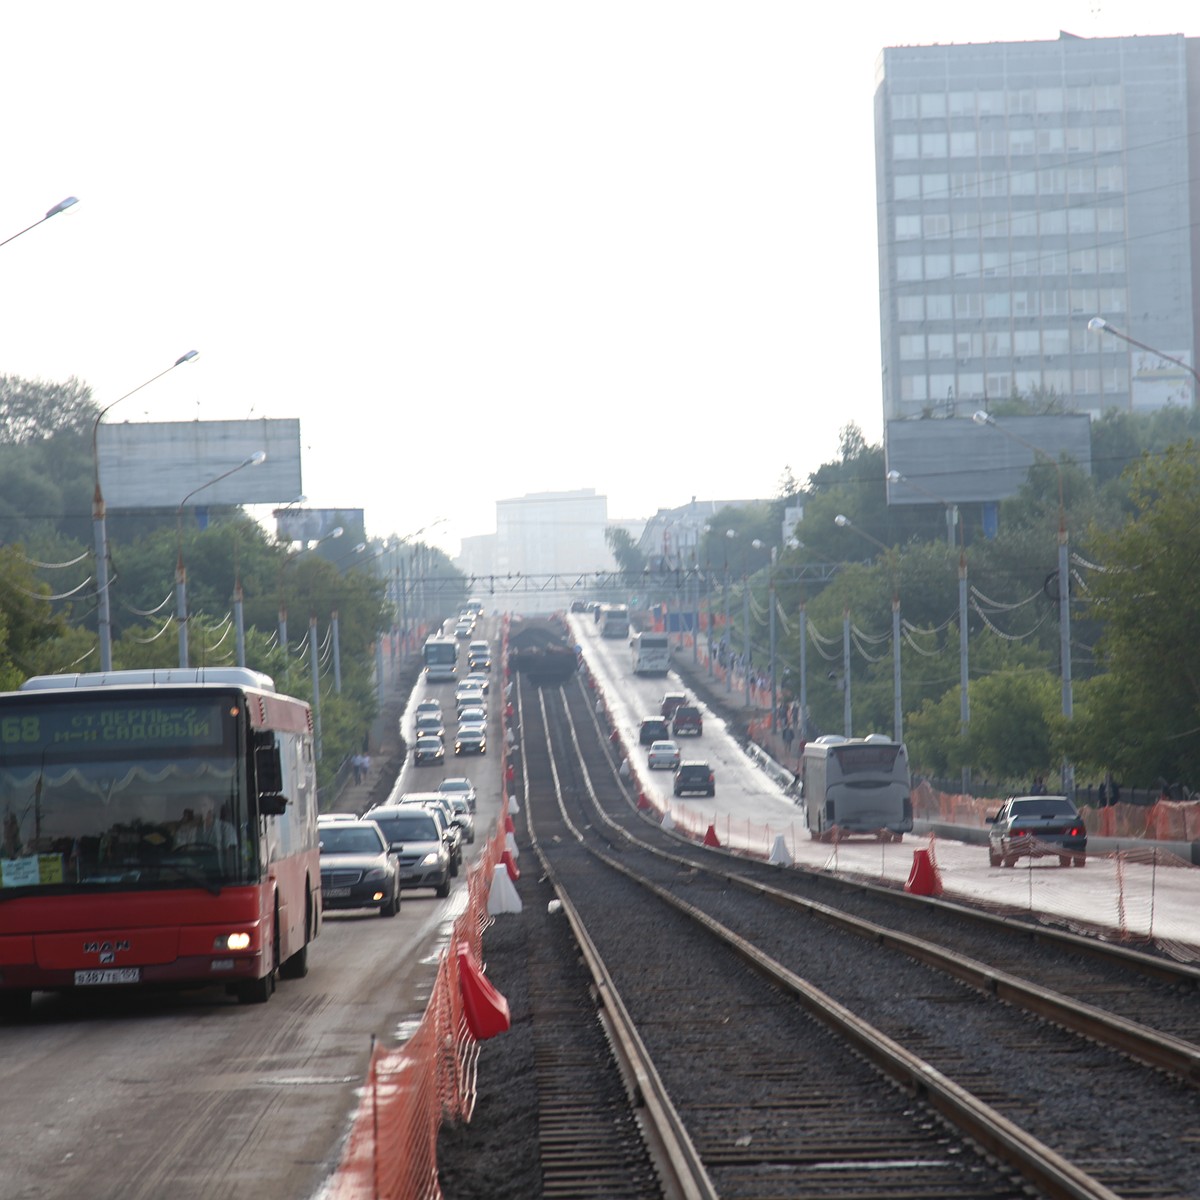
x: 642, y: 802
x: 509, y: 827
x: 485, y: 1008
x: 511, y: 863
x: 710, y: 838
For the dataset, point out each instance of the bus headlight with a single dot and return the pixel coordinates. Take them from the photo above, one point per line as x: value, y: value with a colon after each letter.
x: 232, y: 941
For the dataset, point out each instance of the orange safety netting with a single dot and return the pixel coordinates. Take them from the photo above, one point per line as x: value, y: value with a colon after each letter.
x: 391, y: 1151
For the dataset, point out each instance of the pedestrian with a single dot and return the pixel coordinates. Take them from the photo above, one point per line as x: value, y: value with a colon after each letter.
x: 1038, y: 788
x: 356, y: 767
x: 366, y: 766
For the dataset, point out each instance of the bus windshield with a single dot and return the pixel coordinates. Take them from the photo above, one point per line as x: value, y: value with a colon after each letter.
x: 127, y: 793
x: 441, y: 652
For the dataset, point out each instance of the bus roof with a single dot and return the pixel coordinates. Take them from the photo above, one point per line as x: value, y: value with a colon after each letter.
x: 235, y: 676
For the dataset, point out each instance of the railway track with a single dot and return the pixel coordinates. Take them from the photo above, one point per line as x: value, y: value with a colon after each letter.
x: 766, y: 1101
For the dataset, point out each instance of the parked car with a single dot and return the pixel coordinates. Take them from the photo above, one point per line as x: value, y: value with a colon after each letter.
x: 459, y: 786
x: 694, y: 776
x: 687, y: 721
x: 430, y: 751
x: 424, y: 854
x: 670, y: 702
x: 358, y: 868
x: 653, y: 729
x: 1037, y: 826
x: 663, y: 756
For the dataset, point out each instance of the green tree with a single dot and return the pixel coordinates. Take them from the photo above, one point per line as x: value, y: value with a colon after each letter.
x: 1145, y: 603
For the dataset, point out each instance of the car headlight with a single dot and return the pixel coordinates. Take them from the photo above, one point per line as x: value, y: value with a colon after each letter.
x: 375, y: 873
x: 431, y: 859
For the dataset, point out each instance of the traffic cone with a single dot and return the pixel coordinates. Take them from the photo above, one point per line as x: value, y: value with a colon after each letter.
x: 509, y: 827
x: 710, y: 838
x: 923, y: 879
x: 511, y: 863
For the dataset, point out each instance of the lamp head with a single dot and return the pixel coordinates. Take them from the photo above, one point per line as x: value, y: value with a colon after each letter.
x: 841, y: 520
x: 259, y: 456
x: 731, y: 533
x: 61, y: 206
x: 983, y: 418
x: 336, y: 532
x: 1097, y: 323
x: 757, y: 544
x: 187, y: 357
x: 894, y: 477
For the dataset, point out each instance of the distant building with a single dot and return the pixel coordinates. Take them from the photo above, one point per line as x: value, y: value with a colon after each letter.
x: 674, y: 537
x: 1025, y: 188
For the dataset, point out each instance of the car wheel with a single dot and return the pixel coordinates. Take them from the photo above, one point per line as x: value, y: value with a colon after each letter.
x: 712, y: 791
x: 443, y: 890
x: 1007, y: 860
x: 993, y: 858
x: 1080, y: 860
x: 391, y: 908
x: 1064, y: 860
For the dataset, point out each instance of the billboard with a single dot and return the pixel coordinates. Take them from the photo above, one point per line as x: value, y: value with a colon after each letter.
x: 159, y: 464
x: 313, y: 524
x: 956, y: 461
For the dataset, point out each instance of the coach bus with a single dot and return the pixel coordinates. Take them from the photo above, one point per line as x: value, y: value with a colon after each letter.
x: 613, y: 620
x: 856, y: 786
x: 159, y: 828
x: 651, y: 653
x: 441, y: 658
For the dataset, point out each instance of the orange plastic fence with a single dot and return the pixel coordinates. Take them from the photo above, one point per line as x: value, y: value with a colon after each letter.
x: 391, y: 1151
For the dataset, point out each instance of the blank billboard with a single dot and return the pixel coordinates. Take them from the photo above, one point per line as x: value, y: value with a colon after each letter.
x: 159, y: 464
x: 960, y: 462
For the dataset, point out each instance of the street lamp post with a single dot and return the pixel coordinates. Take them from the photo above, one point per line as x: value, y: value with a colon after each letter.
x: 964, y: 675
x: 288, y: 560
x: 1100, y: 325
x: 1064, y: 580
x: 181, y: 612
x: 61, y: 206
x: 730, y: 534
x: 99, y: 521
x: 897, y: 708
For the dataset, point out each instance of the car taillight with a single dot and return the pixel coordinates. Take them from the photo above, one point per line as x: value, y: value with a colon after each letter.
x: 1076, y: 831
x: 1020, y: 833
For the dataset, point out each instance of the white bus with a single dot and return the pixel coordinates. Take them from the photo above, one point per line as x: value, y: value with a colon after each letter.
x: 441, y: 659
x: 613, y: 620
x: 651, y: 653
x: 856, y: 786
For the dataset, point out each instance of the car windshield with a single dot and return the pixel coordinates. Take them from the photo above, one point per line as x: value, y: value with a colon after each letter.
x: 346, y: 839
x: 408, y: 827
x: 454, y: 785
x: 1043, y: 806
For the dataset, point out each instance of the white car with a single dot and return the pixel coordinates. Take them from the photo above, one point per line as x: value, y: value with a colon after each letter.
x: 663, y: 756
x: 459, y: 786
x: 472, y: 714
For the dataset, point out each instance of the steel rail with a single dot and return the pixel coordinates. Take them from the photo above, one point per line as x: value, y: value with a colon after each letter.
x: 1030, y: 1157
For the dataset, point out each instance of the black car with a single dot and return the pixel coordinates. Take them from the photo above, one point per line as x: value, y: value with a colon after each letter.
x: 1036, y: 827
x: 653, y: 729
x: 358, y: 869
x: 695, y: 777
x: 687, y: 721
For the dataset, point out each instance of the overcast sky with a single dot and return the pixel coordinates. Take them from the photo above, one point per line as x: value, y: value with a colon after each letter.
x: 479, y: 249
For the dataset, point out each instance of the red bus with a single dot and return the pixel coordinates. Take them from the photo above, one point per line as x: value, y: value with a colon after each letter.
x: 158, y: 828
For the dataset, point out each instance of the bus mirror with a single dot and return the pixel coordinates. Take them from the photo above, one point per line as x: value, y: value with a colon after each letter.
x: 268, y: 769
x: 272, y: 804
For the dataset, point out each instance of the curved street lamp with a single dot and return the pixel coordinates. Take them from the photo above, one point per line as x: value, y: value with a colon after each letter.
x: 964, y: 674
x: 288, y: 560
x: 844, y: 522
x: 61, y: 206
x: 181, y: 613
x: 1064, y: 579
x: 99, y: 521
x: 1100, y: 325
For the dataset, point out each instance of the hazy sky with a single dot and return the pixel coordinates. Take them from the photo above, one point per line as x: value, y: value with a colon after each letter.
x: 479, y: 249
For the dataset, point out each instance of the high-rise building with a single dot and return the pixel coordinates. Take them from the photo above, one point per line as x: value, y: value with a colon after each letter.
x: 1024, y: 189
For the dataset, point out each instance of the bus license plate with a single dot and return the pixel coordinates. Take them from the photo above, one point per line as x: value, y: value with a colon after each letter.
x: 113, y: 975
x: 336, y: 893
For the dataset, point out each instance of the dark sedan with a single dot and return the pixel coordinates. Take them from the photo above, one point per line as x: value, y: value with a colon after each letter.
x: 358, y: 870
x: 1036, y: 827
